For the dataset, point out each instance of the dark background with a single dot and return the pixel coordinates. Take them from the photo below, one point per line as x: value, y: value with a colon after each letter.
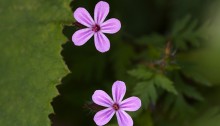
x: 91, y: 70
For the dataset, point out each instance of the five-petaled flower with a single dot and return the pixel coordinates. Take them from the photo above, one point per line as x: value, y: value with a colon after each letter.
x: 95, y: 27
x: 115, y: 106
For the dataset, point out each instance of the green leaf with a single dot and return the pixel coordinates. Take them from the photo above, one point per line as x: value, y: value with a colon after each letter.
x: 186, y: 33
x: 187, y: 89
x: 180, y: 25
x: 204, y: 64
x: 141, y: 73
x: 181, y: 108
x: 31, y: 64
x: 190, y: 92
x: 177, y: 107
x: 209, y: 111
x: 146, y: 92
x: 154, y: 44
x: 165, y: 83
x: 196, y: 77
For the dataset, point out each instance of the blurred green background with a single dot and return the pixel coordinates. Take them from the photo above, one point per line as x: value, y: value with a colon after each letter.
x: 167, y: 52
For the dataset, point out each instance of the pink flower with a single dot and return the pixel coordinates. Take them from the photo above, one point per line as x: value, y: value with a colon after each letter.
x: 96, y: 27
x: 115, y: 106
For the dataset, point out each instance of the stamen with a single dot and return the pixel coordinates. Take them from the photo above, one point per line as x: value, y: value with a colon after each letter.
x: 96, y: 28
x: 115, y: 107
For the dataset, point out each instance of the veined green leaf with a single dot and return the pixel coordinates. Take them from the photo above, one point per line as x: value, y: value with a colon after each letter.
x: 165, y: 83
x: 31, y: 64
x: 196, y: 77
x: 141, y: 73
x: 187, y: 89
x: 147, y: 93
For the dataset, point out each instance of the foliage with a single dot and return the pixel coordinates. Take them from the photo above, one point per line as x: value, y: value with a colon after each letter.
x: 167, y: 52
x: 31, y: 64
x: 153, y: 58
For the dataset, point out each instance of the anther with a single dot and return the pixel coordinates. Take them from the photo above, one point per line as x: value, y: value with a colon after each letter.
x: 115, y: 107
x: 96, y: 28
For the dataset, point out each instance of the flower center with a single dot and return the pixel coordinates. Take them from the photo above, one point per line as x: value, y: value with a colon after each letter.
x: 115, y: 107
x: 96, y: 28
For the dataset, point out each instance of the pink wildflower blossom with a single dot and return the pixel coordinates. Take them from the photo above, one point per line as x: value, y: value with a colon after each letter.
x: 115, y: 105
x: 96, y: 27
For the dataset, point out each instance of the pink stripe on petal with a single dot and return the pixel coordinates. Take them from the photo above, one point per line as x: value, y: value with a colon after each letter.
x: 80, y: 37
x: 102, y: 98
x: 123, y: 118
x: 102, y: 43
x: 131, y: 104
x: 104, y: 116
x: 111, y: 26
x: 118, y: 91
x: 82, y: 16
x: 101, y: 12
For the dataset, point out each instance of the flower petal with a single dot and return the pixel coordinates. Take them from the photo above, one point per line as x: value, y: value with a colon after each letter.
x: 111, y: 26
x: 104, y: 116
x: 82, y: 16
x: 131, y: 104
x: 80, y: 37
x: 118, y: 91
x: 102, y: 43
x: 102, y: 98
x: 101, y: 12
x: 123, y: 118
